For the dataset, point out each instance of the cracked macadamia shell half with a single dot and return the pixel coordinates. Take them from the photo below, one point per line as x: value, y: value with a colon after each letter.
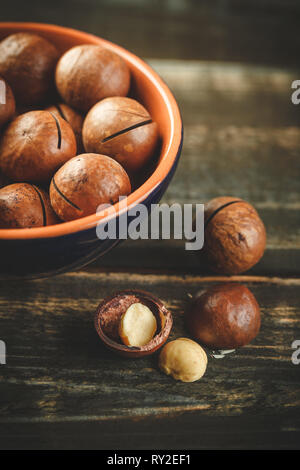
x: 109, y: 315
x: 234, y: 237
x: 24, y: 205
x: 226, y: 316
x: 7, y: 103
x: 88, y: 73
x: 183, y: 359
x: 84, y: 183
x: 27, y: 62
x: 35, y: 145
x: 123, y: 129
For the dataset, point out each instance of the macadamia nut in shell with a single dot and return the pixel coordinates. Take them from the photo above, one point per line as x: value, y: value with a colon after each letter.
x: 183, y: 359
x: 35, y: 145
x: 84, y: 183
x: 88, y: 73
x: 27, y: 62
x: 24, y: 205
x: 226, y: 316
x: 123, y: 129
x: 111, y: 311
x: 235, y: 236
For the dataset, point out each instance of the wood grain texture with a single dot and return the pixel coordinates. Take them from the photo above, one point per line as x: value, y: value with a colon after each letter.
x: 241, y: 133
x: 58, y: 372
x: 257, y: 31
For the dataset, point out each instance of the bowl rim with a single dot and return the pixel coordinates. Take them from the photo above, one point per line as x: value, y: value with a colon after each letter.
x: 165, y: 165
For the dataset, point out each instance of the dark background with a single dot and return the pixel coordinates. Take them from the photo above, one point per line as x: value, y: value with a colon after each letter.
x: 257, y: 31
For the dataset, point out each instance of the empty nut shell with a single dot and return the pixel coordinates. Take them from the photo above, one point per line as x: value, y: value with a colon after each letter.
x: 109, y: 314
x: 121, y: 128
x: 24, y: 205
x: 35, y: 145
x: 88, y: 73
x: 84, y: 183
x: 27, y: 62
x: 7, y: 102
x: 226, y: 316
x: 235, y: 236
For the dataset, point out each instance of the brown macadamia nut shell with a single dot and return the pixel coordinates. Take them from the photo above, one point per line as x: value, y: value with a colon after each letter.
x: 235, y: 236
x: 110, y: 311
x: 88, y: 73
x: 84, y: 183
x: 8, y: 107
x: 226, y: 316
x: 121, y: 128
x: 27, y: 62
x: 24, y: 205
x: 35, y: 145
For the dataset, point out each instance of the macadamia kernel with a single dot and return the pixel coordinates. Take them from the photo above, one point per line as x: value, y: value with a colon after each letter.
x: 137, y: 326
x: 183, y: 359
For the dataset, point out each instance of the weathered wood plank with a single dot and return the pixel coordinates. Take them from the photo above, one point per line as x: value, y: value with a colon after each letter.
x: 58, y: 372
x: 241, y: 133
x: 170, y: 256
x: 249, y: 31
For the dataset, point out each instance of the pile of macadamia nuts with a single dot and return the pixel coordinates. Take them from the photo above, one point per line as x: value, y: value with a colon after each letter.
x: 70, y: 138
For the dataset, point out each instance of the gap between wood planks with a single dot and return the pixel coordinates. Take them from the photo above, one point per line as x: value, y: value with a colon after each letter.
x: 187, y: 278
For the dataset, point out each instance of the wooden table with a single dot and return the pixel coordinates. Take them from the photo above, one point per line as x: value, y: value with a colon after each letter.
x: 61, y: 389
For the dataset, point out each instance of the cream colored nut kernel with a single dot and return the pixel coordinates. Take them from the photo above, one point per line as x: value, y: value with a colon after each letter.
x: 183, y: 359
x: 137, y: 326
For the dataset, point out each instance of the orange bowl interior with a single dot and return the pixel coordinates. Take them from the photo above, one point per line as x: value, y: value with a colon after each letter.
x: 149, y: 89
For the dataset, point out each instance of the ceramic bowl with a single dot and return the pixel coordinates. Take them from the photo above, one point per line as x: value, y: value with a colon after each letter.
x: 45, y: 251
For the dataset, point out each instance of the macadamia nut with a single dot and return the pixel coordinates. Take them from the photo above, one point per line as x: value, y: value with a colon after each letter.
x: 27, y: 62
x: 121, y: 128
x: 235, y: 235
x: 35, y: 145
x: 84, y: 183
x: 183, y: 359
x: 87, y: 73
x: 25, y: 205
x: 226, y: 316
x: 137, y: 326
